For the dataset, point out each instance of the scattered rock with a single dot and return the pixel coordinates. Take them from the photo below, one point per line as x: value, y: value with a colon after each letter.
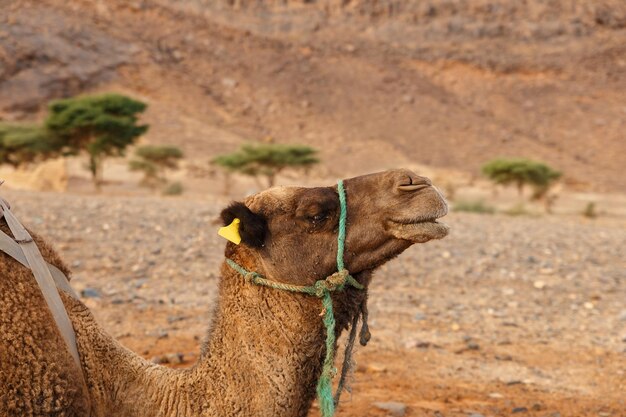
x: 508, y: 291
x: 159, y: 334
x: 520, y: 410
x: 169, y: 358
x: 419, y: 316
x: 395, y: 409
x: 158, y: 359
x: 229, y: 82
x: 473, y: 345
x: 173, y: 319
x: 514, y: 382
x: 175, y: 358
x: 372, y: 368
x: 90, y: 293
x: 539, y: 284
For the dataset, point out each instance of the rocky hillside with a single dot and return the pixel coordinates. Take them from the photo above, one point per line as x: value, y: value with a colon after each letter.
x: 447, y: 83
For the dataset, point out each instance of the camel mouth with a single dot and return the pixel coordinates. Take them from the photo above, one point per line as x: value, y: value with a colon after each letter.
x: 418, y: 230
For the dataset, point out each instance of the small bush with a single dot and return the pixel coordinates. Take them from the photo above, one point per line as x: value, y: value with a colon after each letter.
x: 154, y: 161
x: 590, y: 210
x: 174, y: 188
x: 517, y: 210
x: 22, y: 144
x: 165, y: 156
x: 473, y: 207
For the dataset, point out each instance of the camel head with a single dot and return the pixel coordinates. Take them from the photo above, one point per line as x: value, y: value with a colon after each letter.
x: 289, y: 234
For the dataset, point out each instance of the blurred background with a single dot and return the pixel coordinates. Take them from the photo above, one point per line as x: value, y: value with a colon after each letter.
x: 125, y: 127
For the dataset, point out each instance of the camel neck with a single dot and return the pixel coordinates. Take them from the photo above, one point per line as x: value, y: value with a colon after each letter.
x: 266, y: 347
x: 263, y: 357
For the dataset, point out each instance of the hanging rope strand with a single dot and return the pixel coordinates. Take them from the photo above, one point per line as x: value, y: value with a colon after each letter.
x: 347, y: 360
x: 341, y: 236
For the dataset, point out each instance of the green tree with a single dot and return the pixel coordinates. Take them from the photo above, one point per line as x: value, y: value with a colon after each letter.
x: 101, y: 125
x: 524, y: 172
x: 267, y: 160
x: 521, y: 172
x: 22, y: 144
x: 154, y: 161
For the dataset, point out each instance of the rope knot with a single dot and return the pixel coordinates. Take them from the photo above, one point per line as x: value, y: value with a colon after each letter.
x: 320, y: 287
x: 250, y: 277
x: 331, y: 283
x: 338, y: 279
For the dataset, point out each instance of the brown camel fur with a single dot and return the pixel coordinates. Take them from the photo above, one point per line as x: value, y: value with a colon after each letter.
x: 265, y: 347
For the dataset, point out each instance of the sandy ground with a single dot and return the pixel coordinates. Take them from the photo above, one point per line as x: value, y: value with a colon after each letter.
x: 507, y: 316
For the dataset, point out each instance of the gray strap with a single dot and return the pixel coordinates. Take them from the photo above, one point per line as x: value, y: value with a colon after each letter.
x: 44, y: 279
x: 11, y: 248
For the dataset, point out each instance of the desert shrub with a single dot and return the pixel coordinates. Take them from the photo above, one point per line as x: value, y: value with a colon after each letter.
x: 524, y: 172
x: 174, y: 188
x: 473, y: 207
x: 590, y: 210
x: 521, y: 172
x: 163, y: 155
x: 154, y: 161
x: 267, y: 160
x: 517, y: 210
x: 21, y: 144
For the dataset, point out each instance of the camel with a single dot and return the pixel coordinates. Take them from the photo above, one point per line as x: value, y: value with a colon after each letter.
x: 265, y: 347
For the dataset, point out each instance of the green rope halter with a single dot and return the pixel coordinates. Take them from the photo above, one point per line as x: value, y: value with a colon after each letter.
x: 320, y: 289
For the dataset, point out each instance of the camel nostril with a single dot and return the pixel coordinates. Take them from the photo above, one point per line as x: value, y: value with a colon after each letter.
x: 413, y: 187
x: 414, y: 183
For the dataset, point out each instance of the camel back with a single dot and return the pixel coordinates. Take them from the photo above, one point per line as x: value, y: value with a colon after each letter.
x: 24, y: 250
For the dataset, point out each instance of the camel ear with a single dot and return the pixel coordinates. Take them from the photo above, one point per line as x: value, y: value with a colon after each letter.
x: 252, y: 226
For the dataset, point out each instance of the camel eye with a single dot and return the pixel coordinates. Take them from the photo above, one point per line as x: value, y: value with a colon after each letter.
x: 317, y: 218
x: 316, y: 209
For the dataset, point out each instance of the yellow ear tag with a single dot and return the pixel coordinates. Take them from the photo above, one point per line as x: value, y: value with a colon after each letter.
x: 231, y: 232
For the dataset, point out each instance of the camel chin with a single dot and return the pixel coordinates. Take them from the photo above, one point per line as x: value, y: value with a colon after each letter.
x: 419, y: 232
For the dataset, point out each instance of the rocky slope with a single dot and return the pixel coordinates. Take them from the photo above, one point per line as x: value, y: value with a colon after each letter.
x: 373, y: 84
